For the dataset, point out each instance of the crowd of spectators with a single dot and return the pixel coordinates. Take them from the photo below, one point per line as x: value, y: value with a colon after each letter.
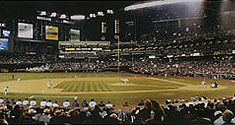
x: 148, y: 66
x: 184, y: 67
x: 199, y: 110
x: 79, y: 66
x: 21, y: 58
x: 155, y: 67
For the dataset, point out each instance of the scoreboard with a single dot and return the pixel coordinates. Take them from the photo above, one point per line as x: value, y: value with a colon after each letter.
x: 82, y: 49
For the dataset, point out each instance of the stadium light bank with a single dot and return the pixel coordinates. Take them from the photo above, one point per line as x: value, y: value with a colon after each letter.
x: 77, y: 17
x: 156, y: 3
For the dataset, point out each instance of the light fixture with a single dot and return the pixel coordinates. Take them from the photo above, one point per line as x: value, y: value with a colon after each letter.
x: 92, y: 15
x: 43, y: 13
x: 156, y: 3
x: 77, y: 17
x: 100, y: 13
x: 110, y: 11
x: 53, y: 14
x: 62, y: 16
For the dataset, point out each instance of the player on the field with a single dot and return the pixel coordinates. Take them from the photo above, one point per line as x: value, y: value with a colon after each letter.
x: 165, y: 75
x: 125, y: 80
x: 18, y: 79
x: 5, y: 90
x: 49, y: 84
x: 13, y: 76
x: 203, y: 82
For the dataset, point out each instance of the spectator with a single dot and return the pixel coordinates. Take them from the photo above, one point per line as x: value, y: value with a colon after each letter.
x: 66, y: 103
x: 6, y: 101
x: 92, y: 103
x: 59, y: 117
x: 26, y: 102
x: 1, y: 100
x: 75, y: 104
x: 101, y: 104
x: 121, y: 116
x: 125, y: 104
x: 141, y: 103
x: 43, y: 103
x: 19, y: 102
x: 33, y: 102
x: 109, y: 105
x: 55, y: 104
x: 3, y: 120
x: 49, y: 103
x: 45, y: 117
x: 12, y: 102
x: 84, y: 103
x: 16, y: 113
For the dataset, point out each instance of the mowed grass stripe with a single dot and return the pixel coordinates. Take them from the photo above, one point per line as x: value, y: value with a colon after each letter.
x: 75, y: 86
x: 89, y: 86
x: 60, y: 85
x: 68, y: 87
x: 100, y: 86
x: 107, y: 88
x: 94, y: 84
x: 86, y: 86
x: 82, y: 86
x: 78, y: 86
x: 64, y: 86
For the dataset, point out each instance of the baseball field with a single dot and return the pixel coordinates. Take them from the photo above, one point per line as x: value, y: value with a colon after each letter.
x: 109, y: 86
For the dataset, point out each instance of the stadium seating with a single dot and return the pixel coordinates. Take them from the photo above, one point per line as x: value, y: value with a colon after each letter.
x: 199, y: 110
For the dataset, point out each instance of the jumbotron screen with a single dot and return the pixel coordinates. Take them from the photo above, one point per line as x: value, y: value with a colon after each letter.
x: 25, y: 30
x: 74, y: 35
x: 4, y: 44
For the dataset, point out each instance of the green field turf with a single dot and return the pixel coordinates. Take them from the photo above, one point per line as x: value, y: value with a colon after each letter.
x: 109, y: 87
x: 101, y: 85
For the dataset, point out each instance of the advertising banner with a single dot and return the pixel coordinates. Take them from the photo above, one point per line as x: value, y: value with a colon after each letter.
x: 6, y: 33
x: 25, y: 30
x: 52, y: 33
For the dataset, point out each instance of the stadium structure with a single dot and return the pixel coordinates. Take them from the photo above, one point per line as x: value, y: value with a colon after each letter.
x: 117, y: 62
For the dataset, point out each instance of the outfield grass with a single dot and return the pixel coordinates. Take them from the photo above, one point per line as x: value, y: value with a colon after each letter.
x: 108, y: 87
x: 98, y: 84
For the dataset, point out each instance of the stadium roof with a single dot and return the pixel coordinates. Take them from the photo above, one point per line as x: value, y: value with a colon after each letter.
x: 18, y: 9
x: 29, y: 8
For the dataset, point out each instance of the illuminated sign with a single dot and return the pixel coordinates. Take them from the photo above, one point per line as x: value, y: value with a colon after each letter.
x: 69, y: 49
x: 25, y: 30
x: 74, y: 35
x: 51, y: 33
x: 6, y: 33
x: 43, y: 18
x: 4, y: 45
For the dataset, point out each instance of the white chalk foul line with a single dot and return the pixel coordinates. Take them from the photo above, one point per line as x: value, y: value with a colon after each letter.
x: 165, y: 80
